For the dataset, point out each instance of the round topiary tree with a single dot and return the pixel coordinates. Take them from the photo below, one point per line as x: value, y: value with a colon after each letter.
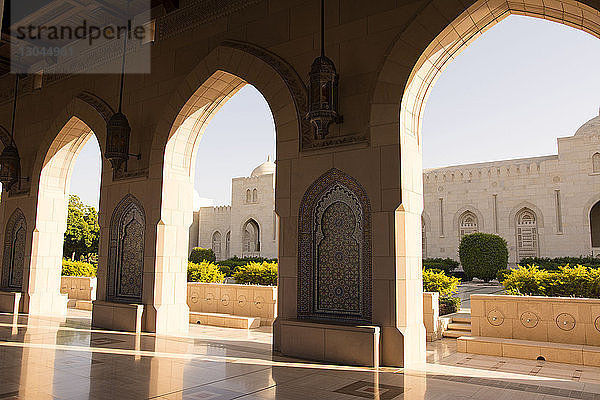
x: 200, y: 254
x: 482, y: 255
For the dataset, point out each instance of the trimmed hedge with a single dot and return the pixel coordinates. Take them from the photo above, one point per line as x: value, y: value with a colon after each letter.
x: 200, y: 254
x: 445, y: 264
x: 254, y: 273
x: 502, y: 274
x: 567, y: 281
x: 78, y: 268
x: 204, y: 272
x: 482, y: 255
x: 552, y: 264
x: 437, y: 281
x: 230, y: 266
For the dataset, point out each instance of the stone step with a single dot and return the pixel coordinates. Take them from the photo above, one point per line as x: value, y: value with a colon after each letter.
x: 455, y: 334
x: 456, y: 326
x: 462, y: 318
x: 224, y: 320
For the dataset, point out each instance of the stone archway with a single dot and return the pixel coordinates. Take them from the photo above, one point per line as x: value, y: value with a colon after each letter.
x: 43, y: 201
x: 412, y: 64
x: 201, y: 94
x: 595, y: 226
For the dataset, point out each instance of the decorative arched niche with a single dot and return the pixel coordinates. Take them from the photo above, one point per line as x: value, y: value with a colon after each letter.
x: 126, y: 252
x: 334, y: 251
x: 13, y: 262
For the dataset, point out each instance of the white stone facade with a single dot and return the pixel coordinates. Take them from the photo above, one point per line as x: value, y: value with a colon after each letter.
x: 542, y: 206
x: 246, y: 228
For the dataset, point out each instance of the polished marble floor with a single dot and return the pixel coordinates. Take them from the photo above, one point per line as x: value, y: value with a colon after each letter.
x: 45, y: 359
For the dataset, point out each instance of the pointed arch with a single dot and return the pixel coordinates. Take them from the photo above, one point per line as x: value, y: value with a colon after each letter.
x: 216, y: 244
x: 13, y: 262
x: 596, y: 162
x: 595, y: 225
x: 334, y: 250
x: 126, y: 251
x: 250, y: 238
x: 526, y: 233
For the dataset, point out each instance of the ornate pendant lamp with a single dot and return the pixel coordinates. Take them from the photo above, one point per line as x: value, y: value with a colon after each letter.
x: 118, y: 130
x: 10, y: 162
x: 323, y: 89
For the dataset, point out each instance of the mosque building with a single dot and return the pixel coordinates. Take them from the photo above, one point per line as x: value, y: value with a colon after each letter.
x: 246, y: 228
x: 545, y: 206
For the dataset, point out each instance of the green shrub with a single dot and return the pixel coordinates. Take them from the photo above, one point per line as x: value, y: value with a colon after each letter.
x: 501, y: 274
x: 204, y: 272
x: 449, y: 305
x: 437, y: 281
x: 567, y: 281
x: 482, y: 255
x: 200, y: 254
x: 552, y: 264
x: 445, y: 264
x: 230, y: 266
x: 254, y: 273
x: 78, y: 268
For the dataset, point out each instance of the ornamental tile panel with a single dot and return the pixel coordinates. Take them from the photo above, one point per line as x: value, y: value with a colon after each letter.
x: 126, y: 252
x: 13, y: 262
x: 334, y: 255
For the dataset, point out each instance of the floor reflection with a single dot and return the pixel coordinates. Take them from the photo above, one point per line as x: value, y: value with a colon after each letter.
x: 49, y: 359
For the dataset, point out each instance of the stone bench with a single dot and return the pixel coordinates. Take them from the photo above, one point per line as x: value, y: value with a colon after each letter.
x: 530, y: 350
x: 224, y: 320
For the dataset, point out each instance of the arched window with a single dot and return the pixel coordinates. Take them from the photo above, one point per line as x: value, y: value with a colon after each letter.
x: 595, y: 224
x: 467, y: 224
x: 248, y: 196
x: 228, y: 244
x: 527, y: 234
x: 254, y: 196
x: 423, y: 238
x: 126, y: 252
x: 216, y: 244
x: 596, y: 162
x: 251, y: 238
x: 14, y: 251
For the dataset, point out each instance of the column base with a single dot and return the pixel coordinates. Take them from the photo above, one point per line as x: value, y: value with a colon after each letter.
x: 11, y: 302
x: 45, y: 304
x: 347, y: 345
x: 118, y: 316
x: 168, y: 319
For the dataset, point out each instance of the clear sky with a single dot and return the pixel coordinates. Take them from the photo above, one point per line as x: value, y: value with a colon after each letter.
x: 510, y: 94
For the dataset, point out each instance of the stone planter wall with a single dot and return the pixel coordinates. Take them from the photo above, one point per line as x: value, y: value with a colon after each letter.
x: 241, y: 300
x: 542, y: 319
x: 79, y: 287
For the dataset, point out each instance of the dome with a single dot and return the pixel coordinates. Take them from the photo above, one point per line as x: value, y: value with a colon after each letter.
x: 592, y: 127
x: 268, y: 167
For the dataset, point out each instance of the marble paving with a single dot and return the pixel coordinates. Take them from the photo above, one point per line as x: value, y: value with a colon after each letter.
x: 48, y: 359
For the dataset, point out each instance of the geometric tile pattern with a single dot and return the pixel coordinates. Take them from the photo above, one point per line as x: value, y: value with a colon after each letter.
x: 368, y: 390
x: 13, y: 261
x: 334, y: 251
x: 126, y: 251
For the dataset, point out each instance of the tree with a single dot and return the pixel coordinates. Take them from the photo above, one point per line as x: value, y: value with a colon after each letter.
x: 83, y: 232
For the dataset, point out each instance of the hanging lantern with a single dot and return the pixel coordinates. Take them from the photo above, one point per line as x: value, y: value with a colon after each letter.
x: 323, y: 89
x: 118, y: 129
x: 323, y: 96
x: 9, y: 167
x: 117, y: 140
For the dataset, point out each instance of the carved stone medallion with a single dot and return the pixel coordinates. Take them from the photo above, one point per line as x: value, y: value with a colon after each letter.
x: 565, y: 321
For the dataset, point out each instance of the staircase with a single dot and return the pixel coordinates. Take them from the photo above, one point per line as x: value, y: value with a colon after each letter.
x: 460, y: 325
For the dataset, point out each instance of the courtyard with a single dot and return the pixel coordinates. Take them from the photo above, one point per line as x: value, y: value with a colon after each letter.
x: 46, y: 359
